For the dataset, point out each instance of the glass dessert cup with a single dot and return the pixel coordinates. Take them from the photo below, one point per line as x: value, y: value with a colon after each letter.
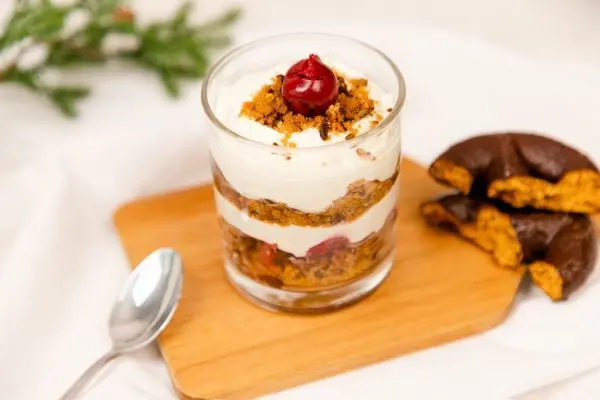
x: 307, y: 227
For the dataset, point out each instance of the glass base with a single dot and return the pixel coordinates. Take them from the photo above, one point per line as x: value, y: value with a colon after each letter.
x: 308, y: 301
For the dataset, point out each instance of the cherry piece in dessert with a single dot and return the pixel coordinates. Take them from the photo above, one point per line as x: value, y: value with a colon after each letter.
x: 309, y: 87
x: 328, y: 246
x: 267, y: 254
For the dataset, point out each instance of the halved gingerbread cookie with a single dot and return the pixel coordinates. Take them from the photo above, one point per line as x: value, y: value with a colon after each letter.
x: 522, y: 170
x: 559, y: 248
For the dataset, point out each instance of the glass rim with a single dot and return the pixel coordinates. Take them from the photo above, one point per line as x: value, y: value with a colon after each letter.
x: 374, y: 131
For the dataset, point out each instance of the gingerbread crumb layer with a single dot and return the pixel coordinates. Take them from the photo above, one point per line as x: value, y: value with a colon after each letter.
x: 361, y: 196
x: 353, y: 104
x: 331, y: 268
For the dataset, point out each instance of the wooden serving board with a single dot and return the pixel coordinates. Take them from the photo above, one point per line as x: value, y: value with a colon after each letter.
x: 221, y: 346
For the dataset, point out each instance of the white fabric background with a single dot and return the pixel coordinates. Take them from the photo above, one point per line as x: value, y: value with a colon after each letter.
x: 61, y: 263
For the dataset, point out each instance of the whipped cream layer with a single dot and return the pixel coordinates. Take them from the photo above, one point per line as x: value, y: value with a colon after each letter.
x: 234, y: 96
x: 310, y: 177
x: 297, y: 240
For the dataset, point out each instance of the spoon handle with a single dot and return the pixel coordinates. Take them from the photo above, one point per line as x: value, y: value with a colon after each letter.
x: 84, y: 380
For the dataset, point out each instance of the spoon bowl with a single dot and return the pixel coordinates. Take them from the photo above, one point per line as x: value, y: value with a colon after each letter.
x: 145, y: 305
x: 147, y: 302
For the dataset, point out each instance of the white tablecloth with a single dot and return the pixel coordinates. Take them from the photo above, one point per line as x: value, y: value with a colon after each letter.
x: 61, y: 262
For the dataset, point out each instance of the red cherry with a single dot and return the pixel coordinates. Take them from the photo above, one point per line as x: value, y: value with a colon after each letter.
x: 267, y: 254
x: 328, y: 246
x: 309, y: 87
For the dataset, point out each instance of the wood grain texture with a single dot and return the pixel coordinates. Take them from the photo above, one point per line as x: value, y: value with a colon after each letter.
x: 220, y: 346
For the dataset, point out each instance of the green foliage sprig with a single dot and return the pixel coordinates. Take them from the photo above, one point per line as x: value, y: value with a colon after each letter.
x: 42, y: 36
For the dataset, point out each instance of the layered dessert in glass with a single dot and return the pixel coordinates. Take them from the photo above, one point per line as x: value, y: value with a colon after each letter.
x: 306, y: 157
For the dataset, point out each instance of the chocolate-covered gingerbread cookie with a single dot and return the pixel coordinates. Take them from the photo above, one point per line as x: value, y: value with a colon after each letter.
x: 522, y: 170
x: 560, y: 248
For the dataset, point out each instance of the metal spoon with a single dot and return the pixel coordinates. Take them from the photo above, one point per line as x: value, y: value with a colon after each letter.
x: 143, y: 308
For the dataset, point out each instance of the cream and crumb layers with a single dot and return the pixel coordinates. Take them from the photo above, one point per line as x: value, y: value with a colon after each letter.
x: 298, y: 240
x: 284, y: 188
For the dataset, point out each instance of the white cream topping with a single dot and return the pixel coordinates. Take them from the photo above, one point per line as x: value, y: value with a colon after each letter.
x: 310, y: 177
x: 244, y: 90
x: 296, y: 239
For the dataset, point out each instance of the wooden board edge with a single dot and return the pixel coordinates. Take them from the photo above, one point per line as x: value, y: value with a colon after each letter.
x: 450, y: 338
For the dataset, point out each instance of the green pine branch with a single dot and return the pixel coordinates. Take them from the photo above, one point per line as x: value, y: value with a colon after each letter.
x: 175, y: 49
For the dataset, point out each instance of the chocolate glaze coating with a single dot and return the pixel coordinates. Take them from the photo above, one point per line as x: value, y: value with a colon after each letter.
x: 497, y: 156
x: 566, y: 241
x: 574, y: 249
x: 462, y: 207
